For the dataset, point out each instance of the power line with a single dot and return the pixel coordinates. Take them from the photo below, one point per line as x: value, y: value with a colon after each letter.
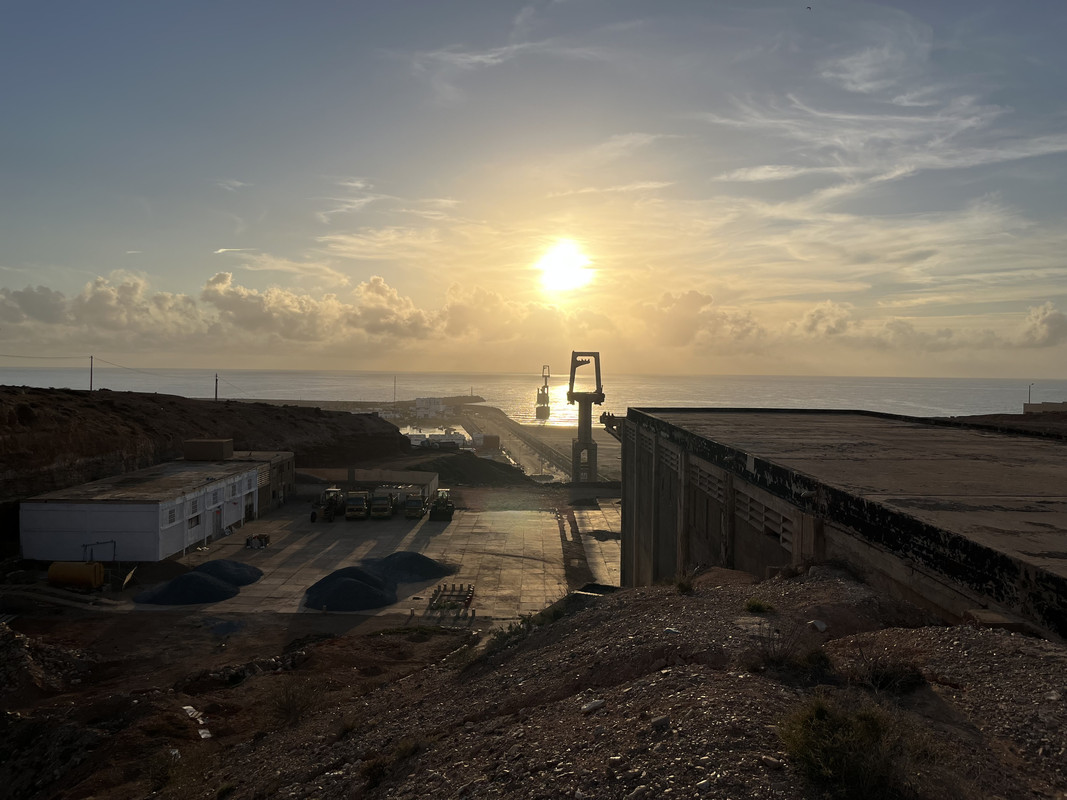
x: 132, y: 369
x: 239, y: 389
x: 11, y: 355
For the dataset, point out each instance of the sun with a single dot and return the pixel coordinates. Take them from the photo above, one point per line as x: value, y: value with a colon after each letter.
x: 564, y: 268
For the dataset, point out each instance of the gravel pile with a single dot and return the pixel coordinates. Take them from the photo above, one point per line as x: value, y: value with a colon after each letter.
x: 405, y: 566
x: 188, y: 589
x: 209, y: 582
x: 234, y: 572
x: 374, y: 584
x: 350, y: 589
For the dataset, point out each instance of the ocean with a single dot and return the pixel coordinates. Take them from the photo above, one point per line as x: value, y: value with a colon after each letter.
x: 515, y: 394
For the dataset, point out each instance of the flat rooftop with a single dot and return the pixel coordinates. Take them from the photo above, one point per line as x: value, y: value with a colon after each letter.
x: 154, y: 484
x: 1004, y: 491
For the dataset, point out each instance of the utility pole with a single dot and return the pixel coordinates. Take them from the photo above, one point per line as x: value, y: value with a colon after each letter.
x: 90, y: 373
x: 216, y: 387
x: 1028, y: 388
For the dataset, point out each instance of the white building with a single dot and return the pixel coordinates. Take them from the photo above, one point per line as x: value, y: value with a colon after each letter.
x: 145, y: 515
x: 429, y: 407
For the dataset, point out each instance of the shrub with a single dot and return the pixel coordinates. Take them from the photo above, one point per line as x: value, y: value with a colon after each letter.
x: 776, y: 647
x: 854, y: 750
x: 756, y: 606
x: 377, y: 768
x: 293, y: 701
x: 884, y: 672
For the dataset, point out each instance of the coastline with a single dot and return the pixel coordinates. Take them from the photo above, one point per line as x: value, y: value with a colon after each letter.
x: 541, y: 450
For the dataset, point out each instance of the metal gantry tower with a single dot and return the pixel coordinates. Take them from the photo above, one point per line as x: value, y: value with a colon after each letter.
x: 583, y: 449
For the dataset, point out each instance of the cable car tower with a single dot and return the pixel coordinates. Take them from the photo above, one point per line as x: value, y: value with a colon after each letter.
x: 583, y: 449
x: 543, y: 410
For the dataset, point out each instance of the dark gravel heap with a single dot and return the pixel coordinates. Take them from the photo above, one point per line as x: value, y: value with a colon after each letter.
x: 405, y: 566
x: 188, y: 589
x: 234, y: 572
x: 350, y: 589
x: 374, y: 584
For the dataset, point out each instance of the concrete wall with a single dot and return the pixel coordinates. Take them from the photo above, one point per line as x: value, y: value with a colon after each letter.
x: 689, y: 501
x: 1042, y: 408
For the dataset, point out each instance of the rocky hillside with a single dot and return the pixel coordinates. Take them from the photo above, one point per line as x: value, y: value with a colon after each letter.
x: 810, y: 686
x: 52, y: 438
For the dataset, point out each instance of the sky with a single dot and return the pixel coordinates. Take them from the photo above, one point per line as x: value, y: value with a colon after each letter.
x: 686, y: 186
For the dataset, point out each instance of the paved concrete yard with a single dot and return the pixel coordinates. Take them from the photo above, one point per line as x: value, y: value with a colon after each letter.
x: 518, y: 561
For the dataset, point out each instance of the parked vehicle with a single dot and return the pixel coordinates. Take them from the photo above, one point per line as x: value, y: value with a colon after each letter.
x: 331, y: 503
x: 383, y: 502
x: 442, y: 507
x: 357, y: 505
x: 414, y: 505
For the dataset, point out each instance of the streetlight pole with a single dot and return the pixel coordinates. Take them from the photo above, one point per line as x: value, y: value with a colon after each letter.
x: 1028, y: 388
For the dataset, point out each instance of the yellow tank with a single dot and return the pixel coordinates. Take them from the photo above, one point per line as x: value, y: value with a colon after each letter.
x: 79, y: 574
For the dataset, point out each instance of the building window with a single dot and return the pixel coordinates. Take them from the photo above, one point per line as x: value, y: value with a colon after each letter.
x: 233, y: 490
x: 215, y: 497
x: 171, y: 516
x: 195, y: 506
x: 194, y: 522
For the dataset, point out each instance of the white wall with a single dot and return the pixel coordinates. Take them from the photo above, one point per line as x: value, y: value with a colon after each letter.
x: 58, y: 531
x: 150, y: 531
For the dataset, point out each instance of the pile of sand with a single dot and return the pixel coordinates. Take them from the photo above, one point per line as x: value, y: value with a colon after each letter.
x: 234, y: 572
x: 210, y: 582
x: 374, y: 584
x: 405, y: 566
x: 350, y: 589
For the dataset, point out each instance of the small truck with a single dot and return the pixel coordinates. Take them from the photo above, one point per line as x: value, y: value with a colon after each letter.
x: 382, y: 503
x: 357, y: 505
x: 414, y: 505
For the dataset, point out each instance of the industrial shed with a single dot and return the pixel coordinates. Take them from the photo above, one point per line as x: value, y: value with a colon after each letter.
x: 145, y: 515
x: 969, y: 522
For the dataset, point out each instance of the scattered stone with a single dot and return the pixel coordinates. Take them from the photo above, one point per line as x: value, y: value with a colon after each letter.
x: 591, y: 706
x: 818, y: 625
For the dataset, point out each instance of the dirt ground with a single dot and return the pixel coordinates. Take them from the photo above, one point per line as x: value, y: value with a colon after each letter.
x: 651, y: 692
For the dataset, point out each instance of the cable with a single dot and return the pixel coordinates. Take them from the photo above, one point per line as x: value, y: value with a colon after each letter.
x: 10, y: 355
x: 238, y: 388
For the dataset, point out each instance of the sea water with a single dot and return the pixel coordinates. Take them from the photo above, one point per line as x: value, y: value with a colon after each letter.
x: 515, y: 394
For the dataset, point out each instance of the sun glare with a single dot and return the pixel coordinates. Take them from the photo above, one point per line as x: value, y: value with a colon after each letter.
x: 564, y: 268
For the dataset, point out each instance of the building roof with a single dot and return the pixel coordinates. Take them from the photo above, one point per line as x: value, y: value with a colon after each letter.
x: 160, y: 483
x: 1005, y: 491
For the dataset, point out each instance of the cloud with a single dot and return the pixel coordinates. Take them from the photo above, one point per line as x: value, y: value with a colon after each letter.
x: 827, y: 319
x: 264, y: 262
x: 690, y: 318
x: 639, y: 186
x: 360, y: 195
x: 897, y: 53
x: 231, y: 185
x: 390, y: 242
x: 275, y: 312
x: 1045, y: 326
x: 223, y: 250
x: 32, y: 303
